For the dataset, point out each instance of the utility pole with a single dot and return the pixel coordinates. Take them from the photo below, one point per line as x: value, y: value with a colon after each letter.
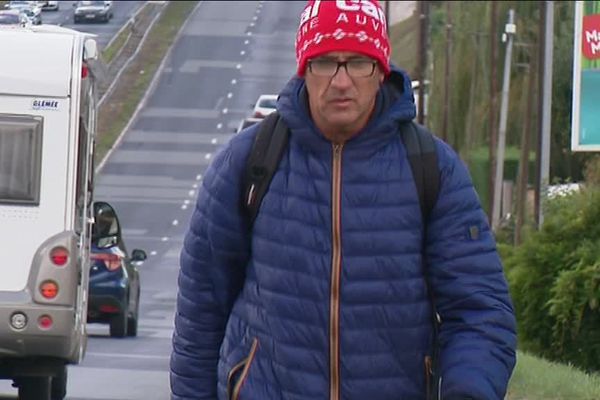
x: 423, y: 41
x: 509, y: 32
x: 545, y: 109
x: 387, y: 16
x: 523, y: 176
x: 493, y: 131
x: 447, y: 70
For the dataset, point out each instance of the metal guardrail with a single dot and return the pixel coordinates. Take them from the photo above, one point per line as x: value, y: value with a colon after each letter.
x: 132, y: 57
x: 130, y: 21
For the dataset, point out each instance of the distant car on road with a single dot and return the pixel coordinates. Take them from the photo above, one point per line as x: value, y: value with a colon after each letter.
x: 93, y: 11
x: 265, y: 105
x: 48, y: 5
x: 114, y: 288
x: 29, y: 9
x: 18, y: 3
x: 246, y: 122
x: 13, y: 17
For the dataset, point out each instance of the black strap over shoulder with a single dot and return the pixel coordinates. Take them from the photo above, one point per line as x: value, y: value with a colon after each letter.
x: 422, y: 156
x: 267, y: 150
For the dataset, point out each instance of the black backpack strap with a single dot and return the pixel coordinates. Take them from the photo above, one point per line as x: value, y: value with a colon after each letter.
x: 263, y: 160
x: 422, y: 156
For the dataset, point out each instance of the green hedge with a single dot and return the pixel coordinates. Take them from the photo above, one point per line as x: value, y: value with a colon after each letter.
x: 555, y: 282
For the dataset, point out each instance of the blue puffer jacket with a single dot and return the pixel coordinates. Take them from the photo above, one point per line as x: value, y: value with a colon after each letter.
x: 326, y: 299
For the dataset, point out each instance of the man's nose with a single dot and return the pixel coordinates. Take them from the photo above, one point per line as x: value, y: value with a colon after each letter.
x: 341, y: 78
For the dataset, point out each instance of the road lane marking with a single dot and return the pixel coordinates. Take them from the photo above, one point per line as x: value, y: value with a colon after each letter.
x: 121, y: 355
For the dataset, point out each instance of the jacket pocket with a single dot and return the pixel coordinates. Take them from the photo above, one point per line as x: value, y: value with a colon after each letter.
x: 238, y: 374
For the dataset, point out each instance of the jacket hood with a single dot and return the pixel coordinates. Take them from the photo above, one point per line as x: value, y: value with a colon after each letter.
x: 394, y: 104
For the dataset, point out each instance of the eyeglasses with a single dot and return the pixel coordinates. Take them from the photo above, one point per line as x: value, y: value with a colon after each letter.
x: 355, y: 68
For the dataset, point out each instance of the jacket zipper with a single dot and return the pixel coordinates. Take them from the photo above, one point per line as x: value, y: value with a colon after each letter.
x: 336, y: 266
x: 245, y: 363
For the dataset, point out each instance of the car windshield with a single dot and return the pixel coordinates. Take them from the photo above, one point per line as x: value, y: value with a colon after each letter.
x: 267, y: 103
x: 248, y: 122
x: 91, y: 3
x: 9, y: 19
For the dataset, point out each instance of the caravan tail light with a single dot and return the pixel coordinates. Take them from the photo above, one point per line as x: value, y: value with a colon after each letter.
x: 111, y: 261
x: 49, y: 289
x: 84, y: 71
x: 59, y: 256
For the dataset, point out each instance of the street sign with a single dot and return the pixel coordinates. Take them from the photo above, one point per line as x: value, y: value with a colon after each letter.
x: 585, y: 134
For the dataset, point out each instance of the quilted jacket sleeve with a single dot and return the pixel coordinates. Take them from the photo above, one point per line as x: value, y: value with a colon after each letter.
x: 213, y: 258
x: 478, y: 332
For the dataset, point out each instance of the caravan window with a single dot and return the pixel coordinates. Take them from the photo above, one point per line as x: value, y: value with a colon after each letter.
x: 20, y: 158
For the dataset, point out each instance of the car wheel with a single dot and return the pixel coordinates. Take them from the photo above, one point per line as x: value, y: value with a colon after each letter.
x: 118, y: 325
x: 58, y: 387
x: 34, y: 388
x: 132, y: 320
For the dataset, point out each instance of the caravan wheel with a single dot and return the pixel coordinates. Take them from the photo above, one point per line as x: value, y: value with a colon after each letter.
x: 34, y: 388
x: 59, y: 385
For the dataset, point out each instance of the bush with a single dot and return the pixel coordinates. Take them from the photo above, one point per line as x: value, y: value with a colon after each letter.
x: 555, y: 282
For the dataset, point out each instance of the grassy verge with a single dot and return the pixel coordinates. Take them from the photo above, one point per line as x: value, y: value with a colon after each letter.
x: 116, y: 112
x: 111, y: 51
x: 537, y: 379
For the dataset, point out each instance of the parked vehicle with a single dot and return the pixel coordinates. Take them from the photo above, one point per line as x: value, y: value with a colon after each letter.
x: 265, y: 105
x: 47, y: 124
x: 114, y: 278
x: 93, y: 11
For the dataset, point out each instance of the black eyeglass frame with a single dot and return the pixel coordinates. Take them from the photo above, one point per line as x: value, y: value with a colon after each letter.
x: 345, y: 65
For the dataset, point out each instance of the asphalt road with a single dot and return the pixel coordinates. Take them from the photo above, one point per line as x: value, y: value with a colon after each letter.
x: 122, y: 11
x: 226, y: 56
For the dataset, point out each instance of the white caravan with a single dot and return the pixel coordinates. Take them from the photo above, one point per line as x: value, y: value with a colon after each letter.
x: 47, y: 124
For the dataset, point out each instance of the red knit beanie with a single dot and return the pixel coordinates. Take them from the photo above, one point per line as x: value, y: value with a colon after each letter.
x: 355, y: 25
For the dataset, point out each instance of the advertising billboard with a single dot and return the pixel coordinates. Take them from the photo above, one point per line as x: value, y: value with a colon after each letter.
x: 585, y: 135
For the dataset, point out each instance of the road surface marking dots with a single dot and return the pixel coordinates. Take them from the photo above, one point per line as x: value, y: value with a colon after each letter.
x: 219, y: 125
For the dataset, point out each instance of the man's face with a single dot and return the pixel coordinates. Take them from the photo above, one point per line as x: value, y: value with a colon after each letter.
x: 341, y: 102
